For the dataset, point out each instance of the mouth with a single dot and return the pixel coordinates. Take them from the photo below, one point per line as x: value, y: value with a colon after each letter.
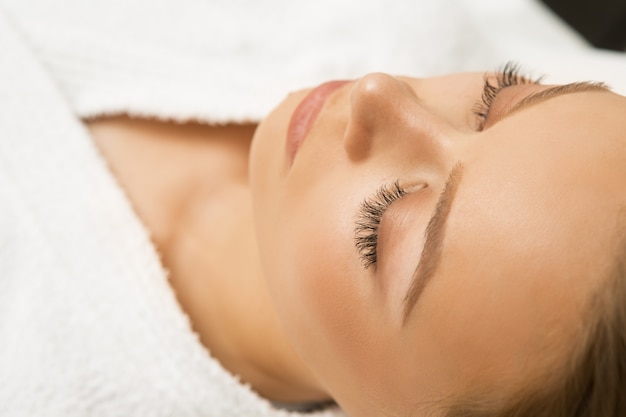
x: 305, y: 114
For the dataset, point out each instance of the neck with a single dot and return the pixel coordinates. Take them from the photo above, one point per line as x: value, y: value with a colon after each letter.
x: 216, y: 272
x: 199, y: 212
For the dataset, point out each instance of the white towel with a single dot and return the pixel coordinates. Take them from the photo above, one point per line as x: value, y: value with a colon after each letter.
x: 88, y: 323
x: 232, y: 60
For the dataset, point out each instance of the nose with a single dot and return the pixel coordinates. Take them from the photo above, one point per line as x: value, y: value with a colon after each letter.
x: 388, y: 118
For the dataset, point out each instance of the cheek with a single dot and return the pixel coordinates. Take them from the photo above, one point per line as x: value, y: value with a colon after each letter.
x: 329, y: 304
x: 304, y: 218
x: 320, y: 268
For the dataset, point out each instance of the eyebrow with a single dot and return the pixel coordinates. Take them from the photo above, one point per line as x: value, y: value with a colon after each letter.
x: 556, y: 91
x: 435, y: 230
x: 433, y: 241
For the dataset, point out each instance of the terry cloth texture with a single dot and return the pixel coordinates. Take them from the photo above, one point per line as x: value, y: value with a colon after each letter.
x: 231, y: 60
x: 88, y: 323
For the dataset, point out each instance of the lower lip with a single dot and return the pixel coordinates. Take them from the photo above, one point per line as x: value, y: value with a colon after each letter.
x: 305, y: 114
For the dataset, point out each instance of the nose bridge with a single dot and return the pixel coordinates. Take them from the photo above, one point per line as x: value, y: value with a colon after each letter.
x: 388, y: 118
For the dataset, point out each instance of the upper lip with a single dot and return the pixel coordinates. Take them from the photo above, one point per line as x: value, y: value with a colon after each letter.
x: 306, y: 113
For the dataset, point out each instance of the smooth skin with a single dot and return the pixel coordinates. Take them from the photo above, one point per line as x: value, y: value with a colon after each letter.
x: 268, y: 271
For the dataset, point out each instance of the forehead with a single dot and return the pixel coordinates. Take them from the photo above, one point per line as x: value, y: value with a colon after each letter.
x: 529, y: 237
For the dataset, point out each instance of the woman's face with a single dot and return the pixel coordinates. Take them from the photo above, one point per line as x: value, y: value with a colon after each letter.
x: 483, y: 238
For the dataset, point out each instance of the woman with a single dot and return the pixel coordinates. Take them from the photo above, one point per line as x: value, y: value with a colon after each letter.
x: 418, y: 247
x: 400, y: 246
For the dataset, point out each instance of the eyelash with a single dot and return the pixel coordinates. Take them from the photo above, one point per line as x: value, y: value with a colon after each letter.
x: 370, y: 214
x: 373, y: 207
x: 509, y: 75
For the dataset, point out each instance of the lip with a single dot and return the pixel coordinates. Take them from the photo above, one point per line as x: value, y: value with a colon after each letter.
x: 305, y: 114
